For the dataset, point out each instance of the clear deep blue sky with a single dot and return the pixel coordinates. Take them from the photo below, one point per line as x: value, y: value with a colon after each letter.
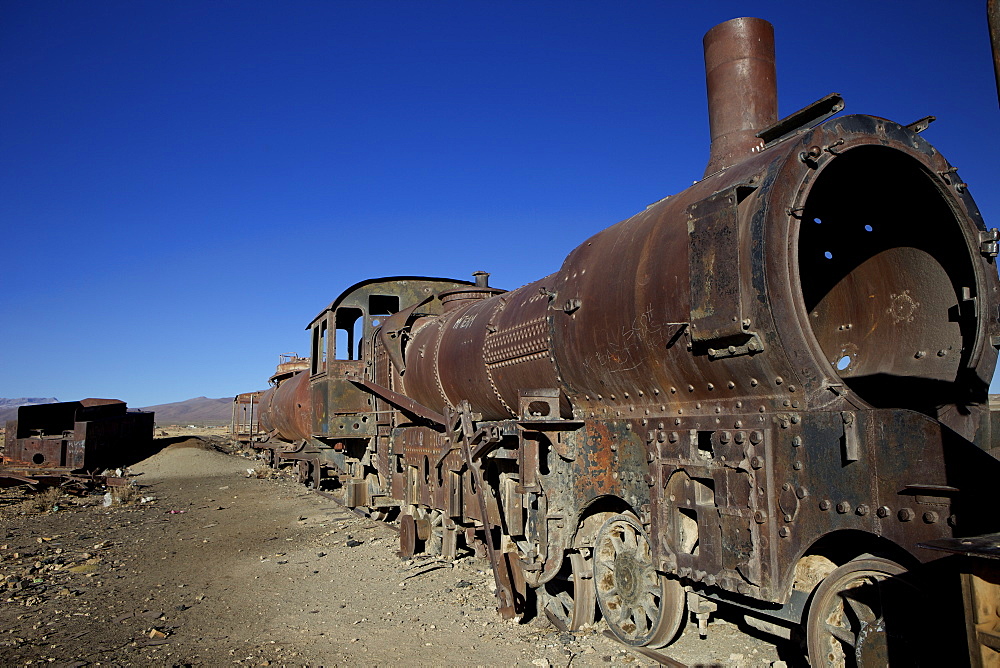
x: 184, y: 185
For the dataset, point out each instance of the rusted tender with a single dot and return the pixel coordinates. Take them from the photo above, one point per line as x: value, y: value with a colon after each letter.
x: 73, y: 437
x: 764, y: 391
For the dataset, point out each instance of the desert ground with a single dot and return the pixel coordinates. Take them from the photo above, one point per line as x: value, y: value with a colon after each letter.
x: 209, y: 558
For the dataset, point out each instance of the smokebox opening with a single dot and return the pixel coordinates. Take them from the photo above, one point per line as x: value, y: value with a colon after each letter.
x: 885, y: 277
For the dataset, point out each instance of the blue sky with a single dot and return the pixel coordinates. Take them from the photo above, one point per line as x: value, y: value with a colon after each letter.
x: 184, y: 185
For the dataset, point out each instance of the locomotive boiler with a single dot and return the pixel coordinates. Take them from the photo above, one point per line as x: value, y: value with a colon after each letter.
x: 766, y: 391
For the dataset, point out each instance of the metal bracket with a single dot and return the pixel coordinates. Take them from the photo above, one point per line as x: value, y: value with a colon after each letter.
x: 751, y: 346
x: 988, y: 242
x: 852, y: 442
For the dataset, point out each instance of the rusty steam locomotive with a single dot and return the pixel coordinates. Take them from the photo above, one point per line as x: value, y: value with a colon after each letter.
x: 766, y: 391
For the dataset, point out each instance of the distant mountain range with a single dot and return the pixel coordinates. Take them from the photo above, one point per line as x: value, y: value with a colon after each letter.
x: 8, y: 407
x: 200, y: 410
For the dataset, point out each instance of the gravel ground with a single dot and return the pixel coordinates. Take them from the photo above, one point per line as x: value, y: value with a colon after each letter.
x: 206, y: 564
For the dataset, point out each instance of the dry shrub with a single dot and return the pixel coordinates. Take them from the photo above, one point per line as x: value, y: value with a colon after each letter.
x: 44, y: 501
x: 125, y: 494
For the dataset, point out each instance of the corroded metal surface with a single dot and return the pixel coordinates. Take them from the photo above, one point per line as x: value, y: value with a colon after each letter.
x: 742, y: 88
x: 771, y: 386
x: 74, y: 436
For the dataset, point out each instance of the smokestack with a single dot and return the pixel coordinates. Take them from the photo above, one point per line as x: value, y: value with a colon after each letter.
x: 482, y: 279
x: 742, y: 88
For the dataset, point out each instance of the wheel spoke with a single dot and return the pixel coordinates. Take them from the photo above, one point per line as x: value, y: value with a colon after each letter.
x: 856, y: 611
x: 841, y: 633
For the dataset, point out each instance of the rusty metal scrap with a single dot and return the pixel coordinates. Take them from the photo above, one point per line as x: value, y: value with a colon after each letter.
x: 767, y: 391
x: 74, y: 437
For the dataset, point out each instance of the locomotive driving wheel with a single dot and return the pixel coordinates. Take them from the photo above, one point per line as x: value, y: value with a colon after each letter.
x: 861, y: 615
x: 568, y: 598
x: 641, y: 607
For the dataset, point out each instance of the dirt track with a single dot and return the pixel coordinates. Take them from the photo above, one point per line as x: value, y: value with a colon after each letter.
x: 217, y: 567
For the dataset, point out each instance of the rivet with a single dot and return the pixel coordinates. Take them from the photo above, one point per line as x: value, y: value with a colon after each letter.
x: 677, y: 421
x: 739, y: 404
x: 796, y: 441
x: 905, y: 515
x: 762, y: 409
x: 740, y: 436
x: 883, y: 511
x: 797, y: 465
x: 786, y: 403
x: 795, y: 404
x: 659, y: 426
x: 674, y: 437
x: 753, y: 382
x: 824, y: 504
x: 738, y: 424
x: 656, y: 391
x: 779, y: 380
x: 759, y: 516
x: 725, y: 436
x: 802, y: 492
x: 843, y: 507
x: 711, y: 386
x: 698, y: 405
x: 791, y: 388
x: 673, y: 390
x: 730, y: 385
x: 930, y: 517
x: 756, y: 462
x: 862, y: 510
x: 756, y: 437
x: 796, y: 419
x: 783, y: 532
x: 952, y: 520
x: 690, y: 388
x: 786, y: 487
x: 612, y: 397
